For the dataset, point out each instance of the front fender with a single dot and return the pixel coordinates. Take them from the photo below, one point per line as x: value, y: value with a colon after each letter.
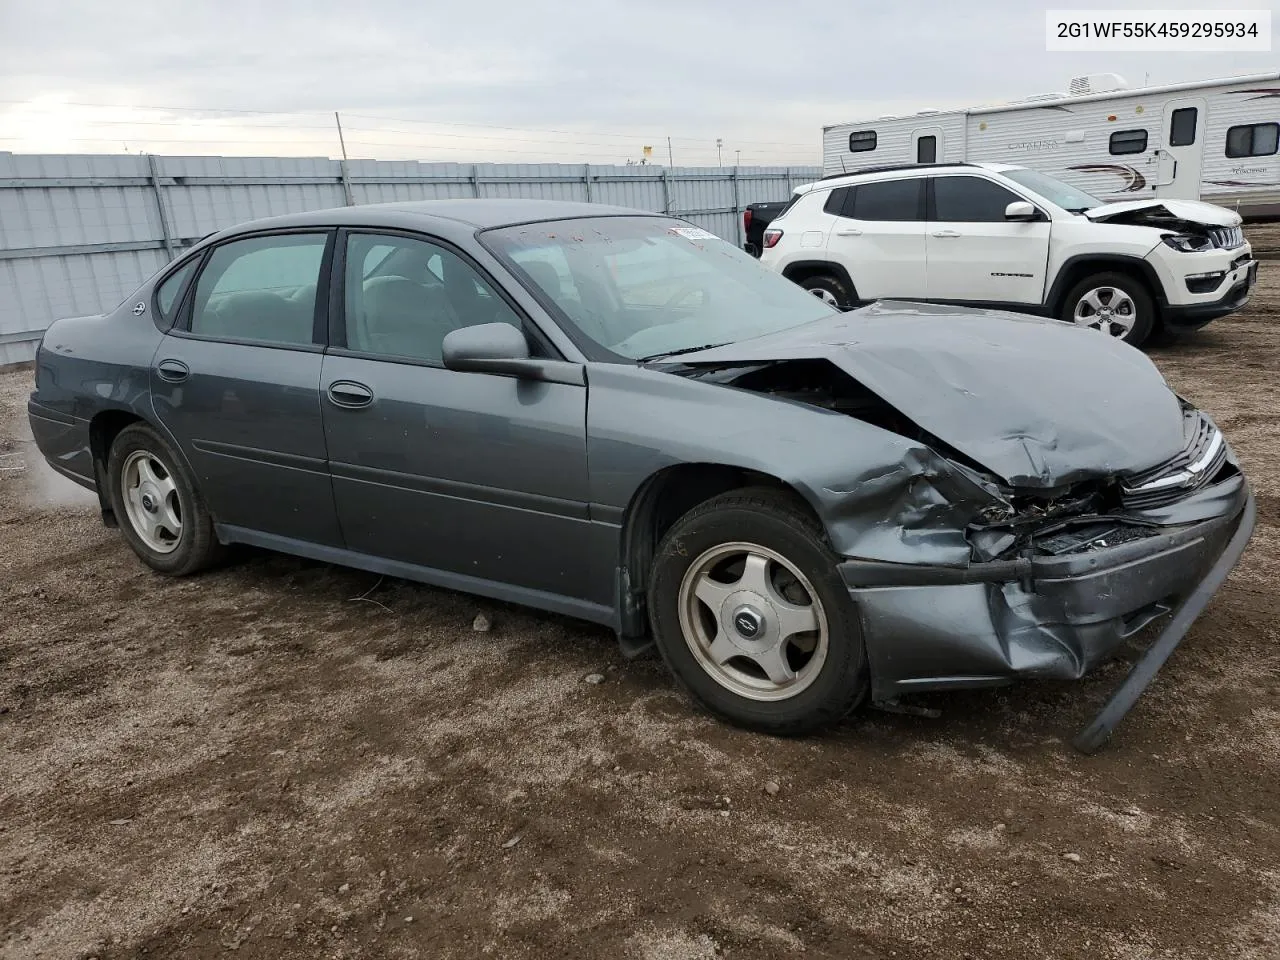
x: 879, y: 496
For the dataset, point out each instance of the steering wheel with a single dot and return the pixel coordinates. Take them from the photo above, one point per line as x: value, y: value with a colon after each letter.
x: 684, y: 293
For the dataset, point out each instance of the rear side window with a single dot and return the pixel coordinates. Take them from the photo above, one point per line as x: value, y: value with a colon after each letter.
x: 168, y: 294
x: 862, y: 141
x: 1253, y: 140
x: 260, y: 289
x: 835, y: 201
x: 1128, y: 141
x: 889, y: 200
x: 1182, y: 127
x: 927, y: 150
x: 970, y: 200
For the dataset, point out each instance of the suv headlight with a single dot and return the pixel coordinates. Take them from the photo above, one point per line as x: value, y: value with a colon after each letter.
x: 1188, y: 242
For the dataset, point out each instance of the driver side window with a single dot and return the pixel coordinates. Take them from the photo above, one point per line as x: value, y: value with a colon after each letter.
x: 404, y: 296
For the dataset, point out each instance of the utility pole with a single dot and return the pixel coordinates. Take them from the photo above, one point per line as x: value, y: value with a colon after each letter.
x: 737, y: 158
x: 719, y: 144
x: 670, y: 162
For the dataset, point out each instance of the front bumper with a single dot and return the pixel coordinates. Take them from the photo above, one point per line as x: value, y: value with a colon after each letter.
x: 1194, y: 315
x: 986, y: 624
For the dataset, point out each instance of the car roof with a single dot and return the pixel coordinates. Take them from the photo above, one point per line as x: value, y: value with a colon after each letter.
x: 479, y: 214
x: 892, y: 171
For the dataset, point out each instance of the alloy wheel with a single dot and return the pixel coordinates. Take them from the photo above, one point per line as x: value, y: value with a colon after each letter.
x: 753, y: 621
x: 1108, y: 309
x: 151, y: 501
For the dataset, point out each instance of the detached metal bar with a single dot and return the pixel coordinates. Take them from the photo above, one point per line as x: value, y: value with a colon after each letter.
x: 124, y: 246
x: 166, y: 232
x: 22, y: 336
x: 1144, y: 671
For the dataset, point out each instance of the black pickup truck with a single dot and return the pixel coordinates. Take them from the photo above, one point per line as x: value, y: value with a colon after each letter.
x: 755, y: 218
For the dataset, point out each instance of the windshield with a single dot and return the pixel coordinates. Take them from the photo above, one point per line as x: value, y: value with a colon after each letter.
x: 644, y: 287
x: 1055, y: 191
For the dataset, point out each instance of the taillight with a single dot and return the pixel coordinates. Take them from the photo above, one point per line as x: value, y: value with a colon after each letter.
x: 746, y: 220
x: 771, y: 238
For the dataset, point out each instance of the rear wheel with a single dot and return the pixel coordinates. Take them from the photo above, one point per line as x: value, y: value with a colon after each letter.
x: 159, y: 510
x: 828, y: 289
x: 1114, y: 304
x: 752, y: 617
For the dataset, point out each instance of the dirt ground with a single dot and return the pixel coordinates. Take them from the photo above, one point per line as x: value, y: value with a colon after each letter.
x: 290, y: 760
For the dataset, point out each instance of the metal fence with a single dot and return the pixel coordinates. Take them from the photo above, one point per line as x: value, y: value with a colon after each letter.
x: 79, y: 233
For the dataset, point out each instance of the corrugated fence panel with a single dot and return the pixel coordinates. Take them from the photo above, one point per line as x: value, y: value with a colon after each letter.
x: 79, y: 233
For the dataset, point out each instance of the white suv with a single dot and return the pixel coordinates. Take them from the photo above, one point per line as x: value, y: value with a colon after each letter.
x: 1002, y: 236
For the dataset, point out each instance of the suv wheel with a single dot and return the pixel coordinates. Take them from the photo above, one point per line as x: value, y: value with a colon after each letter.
x: 752, y: 617
x: 827, y: 288
x: 1114, y: 304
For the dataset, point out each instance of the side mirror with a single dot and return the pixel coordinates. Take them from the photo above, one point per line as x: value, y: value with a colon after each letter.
x: 1021, y: 210
x: 503, y: 349
x: 478, y: 347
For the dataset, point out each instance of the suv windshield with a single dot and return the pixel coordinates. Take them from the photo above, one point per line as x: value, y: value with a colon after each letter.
x: 643, y: 287
x: 1055, y: 191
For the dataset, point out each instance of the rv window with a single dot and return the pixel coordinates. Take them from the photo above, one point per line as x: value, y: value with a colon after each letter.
x: 1182, y: 127
x: 1253, y: 140
x: 1128, y: 141
x: 889, y: 200
x: 927, y: 150
x: 862, y: 141
x: 970, y: 200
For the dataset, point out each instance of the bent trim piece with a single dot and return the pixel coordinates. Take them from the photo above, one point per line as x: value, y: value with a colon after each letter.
x: 1099, y: 730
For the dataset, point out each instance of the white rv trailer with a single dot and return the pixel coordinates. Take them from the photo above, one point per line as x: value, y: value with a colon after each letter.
x: 1213, y: 140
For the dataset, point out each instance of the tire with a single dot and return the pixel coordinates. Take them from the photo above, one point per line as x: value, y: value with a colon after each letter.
x: 151, y: 494
x: 1133, y: 328
x: 707, y: 544
x: 828, y: 288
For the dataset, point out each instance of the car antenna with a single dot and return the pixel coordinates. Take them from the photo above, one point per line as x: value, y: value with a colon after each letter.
x: 843, y: 168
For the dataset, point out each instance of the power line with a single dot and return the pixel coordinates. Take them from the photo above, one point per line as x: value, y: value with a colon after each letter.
x: 594, y: 133
x: 451, y: 123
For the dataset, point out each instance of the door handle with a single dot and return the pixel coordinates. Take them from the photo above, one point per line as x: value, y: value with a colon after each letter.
x: 849, y: 232
x: 172, y: 371
x: 947, y: 233
x: 349, y: 394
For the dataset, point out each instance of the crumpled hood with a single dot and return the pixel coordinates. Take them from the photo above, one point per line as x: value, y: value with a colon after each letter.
x: 1210, y: 214
x: 1037, y: 402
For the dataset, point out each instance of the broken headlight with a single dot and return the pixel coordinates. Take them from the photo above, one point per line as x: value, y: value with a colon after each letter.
x: 1188, y: 242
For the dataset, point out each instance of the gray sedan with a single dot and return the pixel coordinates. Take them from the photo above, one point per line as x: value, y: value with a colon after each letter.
x: 617, y: 416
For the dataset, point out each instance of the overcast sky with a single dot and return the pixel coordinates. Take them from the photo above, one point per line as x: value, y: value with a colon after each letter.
x: 523, y: 80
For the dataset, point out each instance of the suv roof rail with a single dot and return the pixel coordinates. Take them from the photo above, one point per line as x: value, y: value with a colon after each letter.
x: 891, y: 167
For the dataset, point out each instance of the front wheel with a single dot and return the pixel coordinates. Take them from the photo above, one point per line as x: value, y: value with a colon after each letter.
x: 160, y: 512
x: 752, y: 617
x: 1114, y: 304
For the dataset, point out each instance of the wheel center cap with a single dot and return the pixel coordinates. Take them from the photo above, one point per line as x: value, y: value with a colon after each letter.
x: 748, y: 622
x: 150, y: 502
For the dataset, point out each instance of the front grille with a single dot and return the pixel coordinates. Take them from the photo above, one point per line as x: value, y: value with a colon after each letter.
x: 1198, y: 463
x: 1227, y: 238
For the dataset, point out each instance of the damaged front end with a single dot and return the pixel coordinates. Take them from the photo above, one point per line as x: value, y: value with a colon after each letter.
x: 966, y: 577
x: 1058, y: 580
x: 1187, y: 226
